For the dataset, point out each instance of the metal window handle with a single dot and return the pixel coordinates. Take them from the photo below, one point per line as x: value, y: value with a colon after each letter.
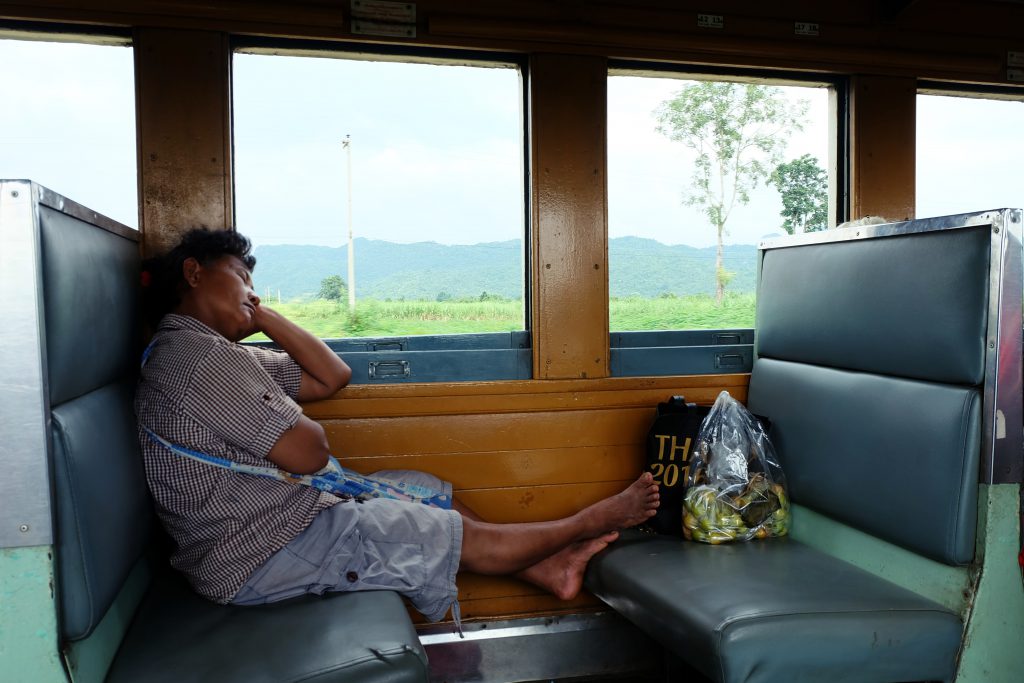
x: 387, y: 346
x: 728, y: 360
x: 384, y: 369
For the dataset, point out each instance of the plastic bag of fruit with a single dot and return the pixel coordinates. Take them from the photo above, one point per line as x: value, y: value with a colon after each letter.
x: 735, y: 487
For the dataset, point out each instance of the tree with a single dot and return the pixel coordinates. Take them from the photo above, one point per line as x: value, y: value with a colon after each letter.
x: 333, y: 288
x: 803, y: 186
x: 738, y: 131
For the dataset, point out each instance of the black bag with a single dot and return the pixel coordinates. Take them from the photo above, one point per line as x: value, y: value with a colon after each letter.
x: 669, y: 443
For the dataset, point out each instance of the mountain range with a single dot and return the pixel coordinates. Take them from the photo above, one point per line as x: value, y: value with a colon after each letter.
x: 428, y: 270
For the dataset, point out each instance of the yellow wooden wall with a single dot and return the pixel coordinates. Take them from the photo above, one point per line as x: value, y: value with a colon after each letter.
x: 518, y: 451
x: 536, y: 449
x: 184, y: 123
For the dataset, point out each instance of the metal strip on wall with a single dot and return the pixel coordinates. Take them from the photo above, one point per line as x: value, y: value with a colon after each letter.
x: 1002, y: 439
x: 24, y: 433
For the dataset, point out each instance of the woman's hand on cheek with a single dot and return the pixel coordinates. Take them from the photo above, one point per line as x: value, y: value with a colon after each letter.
x: 265, y: 320
x: 256, y: 321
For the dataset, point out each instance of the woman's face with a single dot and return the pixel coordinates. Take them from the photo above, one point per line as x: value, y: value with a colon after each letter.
x: 220, y: 294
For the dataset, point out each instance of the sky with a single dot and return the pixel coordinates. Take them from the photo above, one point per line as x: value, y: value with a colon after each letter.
x: 437, y: 151
x: 648, y: 175
x: 67, y: 121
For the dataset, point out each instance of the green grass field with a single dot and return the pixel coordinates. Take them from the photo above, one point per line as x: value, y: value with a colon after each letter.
x: 401, y: 318
x: 681, y: 313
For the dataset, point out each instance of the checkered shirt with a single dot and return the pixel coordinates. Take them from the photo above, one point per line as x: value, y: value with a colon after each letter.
x: 203, y: 392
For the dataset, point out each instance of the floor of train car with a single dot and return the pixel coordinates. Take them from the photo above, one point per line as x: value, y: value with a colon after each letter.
x: 590, y: 647
x: 665, y: 672
x: 568, y: 648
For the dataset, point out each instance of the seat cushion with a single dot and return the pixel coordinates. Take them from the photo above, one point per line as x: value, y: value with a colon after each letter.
x: 775, y: 610
x: 894, y: 457
x: 90, y: 286
x: 103, y: 509
x: 351, y: 637
x: 881, y: 305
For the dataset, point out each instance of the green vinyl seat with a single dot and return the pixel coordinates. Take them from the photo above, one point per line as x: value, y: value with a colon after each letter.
x: 352, y: 637
x: 776, y: 610
x: 123, y: 613
x: 870, y: 364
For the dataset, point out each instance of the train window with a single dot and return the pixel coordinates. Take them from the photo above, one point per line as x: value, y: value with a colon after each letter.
x: 968, y: 153
x: 418, y: 165
x: 69, y: 119
x: 698, y: 172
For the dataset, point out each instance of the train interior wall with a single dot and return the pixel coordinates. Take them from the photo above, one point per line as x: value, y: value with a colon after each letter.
x: 530, y: 450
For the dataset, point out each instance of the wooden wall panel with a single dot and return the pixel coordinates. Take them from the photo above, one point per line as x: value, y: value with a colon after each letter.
x: 226, y: 15
x: 514, y: 451
x: 961, y: 40
x: 488, y: 597
x: 474, y: 433
x: 183, y: 111
x: 883, y: 149
x: 567, y: 104
x: 470, y: 398
x: 528, y: 467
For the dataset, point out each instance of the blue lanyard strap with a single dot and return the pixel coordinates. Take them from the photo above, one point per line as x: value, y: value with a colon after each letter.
x: 333, y: 478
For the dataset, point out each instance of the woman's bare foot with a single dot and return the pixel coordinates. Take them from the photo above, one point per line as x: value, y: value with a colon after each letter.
x: 634, y: 505
x: 562, y: 573
x: 508, y: 548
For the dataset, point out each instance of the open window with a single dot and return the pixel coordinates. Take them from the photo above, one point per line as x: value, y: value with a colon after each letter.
x: 68, y: 120
x: 385, y: 197
x: 701, y: 168
x: 969, y: 148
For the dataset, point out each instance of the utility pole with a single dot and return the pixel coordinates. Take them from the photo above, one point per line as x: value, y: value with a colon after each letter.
x: 346, y: 144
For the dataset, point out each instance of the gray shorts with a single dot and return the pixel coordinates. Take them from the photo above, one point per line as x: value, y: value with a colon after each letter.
x: 381, y: 544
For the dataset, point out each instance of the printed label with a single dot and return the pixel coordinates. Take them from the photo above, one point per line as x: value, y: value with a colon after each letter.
x: 710, y: 21
x: 384, y: 10
x: 805, y: 28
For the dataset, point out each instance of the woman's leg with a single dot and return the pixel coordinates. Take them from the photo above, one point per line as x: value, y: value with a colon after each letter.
x: 540, y: 550
x: 562, y: 573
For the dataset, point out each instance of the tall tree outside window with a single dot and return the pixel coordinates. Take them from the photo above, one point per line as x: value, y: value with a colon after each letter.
x: 699, y: 172
x: 739, y: 132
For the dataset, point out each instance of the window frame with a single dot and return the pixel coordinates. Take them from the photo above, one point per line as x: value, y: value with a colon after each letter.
x: 970, y: 92
x: 641, y: 353
x: 46, y: 32
x: 98, y: 36
x: 461, y: 357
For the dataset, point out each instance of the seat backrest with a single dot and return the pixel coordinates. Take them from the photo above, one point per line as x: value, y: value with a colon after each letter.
x: 870, y: 361
x: 102, y: 509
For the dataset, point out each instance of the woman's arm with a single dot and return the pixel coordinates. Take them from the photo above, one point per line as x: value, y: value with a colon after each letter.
x: 323, y: 372
x: 303, y: 449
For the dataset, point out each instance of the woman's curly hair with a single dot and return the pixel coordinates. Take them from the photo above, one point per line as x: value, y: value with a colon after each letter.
x: 163, y: 280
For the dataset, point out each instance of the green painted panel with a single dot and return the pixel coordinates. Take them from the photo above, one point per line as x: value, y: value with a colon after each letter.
x: 993, y: 650
x: 89, y: 659
x: 28, y: 616
x: 942, y: 583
